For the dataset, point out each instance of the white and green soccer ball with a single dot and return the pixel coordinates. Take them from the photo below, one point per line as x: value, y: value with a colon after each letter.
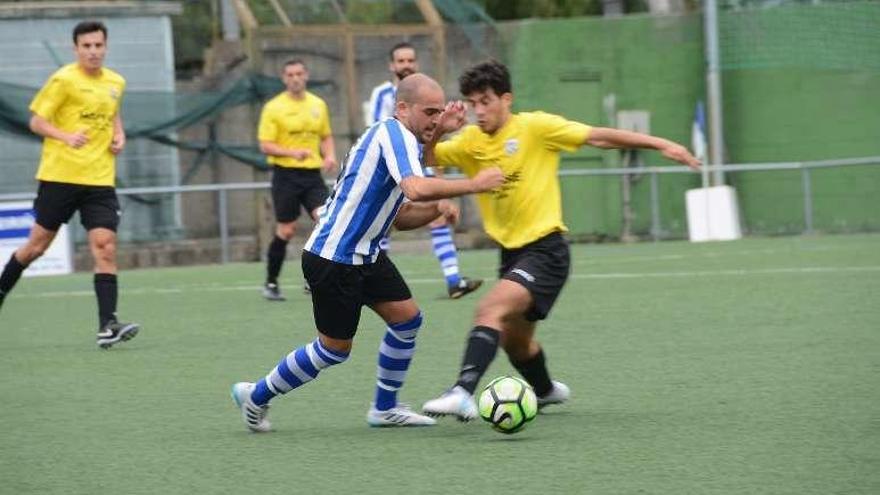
x: 508, y: 403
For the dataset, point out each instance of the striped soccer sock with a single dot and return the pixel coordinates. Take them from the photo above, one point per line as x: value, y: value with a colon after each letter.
x: 297, y: 368
x: 444, y: 250
x: 395, y: 354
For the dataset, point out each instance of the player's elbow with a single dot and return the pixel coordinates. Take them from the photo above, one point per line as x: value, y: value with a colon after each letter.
x: 412, y: 189
x: 35, y: 124
x: 401, y: 224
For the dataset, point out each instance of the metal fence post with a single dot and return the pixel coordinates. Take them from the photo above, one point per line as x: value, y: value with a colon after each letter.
x: 224, y: 226
x: 655, y: 206
x: 808, y: 199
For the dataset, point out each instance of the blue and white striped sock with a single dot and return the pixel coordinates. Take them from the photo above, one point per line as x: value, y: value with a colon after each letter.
x: 395, y: 354
x: 297, y: 368
x: 444, y: 250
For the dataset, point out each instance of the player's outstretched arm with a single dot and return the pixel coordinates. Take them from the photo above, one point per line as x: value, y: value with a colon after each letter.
x: 428, y: 188
x: 607, y: 138
x: 414, y: 215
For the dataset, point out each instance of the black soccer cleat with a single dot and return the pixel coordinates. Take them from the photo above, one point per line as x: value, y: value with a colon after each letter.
x: 115, y: 332
x: 465, y: 286
x: 273, y: 293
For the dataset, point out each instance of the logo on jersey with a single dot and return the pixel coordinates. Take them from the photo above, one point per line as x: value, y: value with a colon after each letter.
x: 315, y: 113
x: 114, y: 93
x: 511, y: 146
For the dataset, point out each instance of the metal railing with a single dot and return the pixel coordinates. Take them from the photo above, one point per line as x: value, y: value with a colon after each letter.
x: 222, y: 190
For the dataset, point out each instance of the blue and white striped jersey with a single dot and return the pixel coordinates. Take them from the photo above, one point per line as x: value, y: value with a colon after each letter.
x: 367, y: 195
x: 381, y: 104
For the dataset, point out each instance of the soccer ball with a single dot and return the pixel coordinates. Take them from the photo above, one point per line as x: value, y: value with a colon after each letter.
x: 508, y: 403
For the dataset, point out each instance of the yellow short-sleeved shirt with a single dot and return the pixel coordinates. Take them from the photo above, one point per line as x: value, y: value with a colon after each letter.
x: 528, y: 206
x: 293, y: 123
x: 72, y: 100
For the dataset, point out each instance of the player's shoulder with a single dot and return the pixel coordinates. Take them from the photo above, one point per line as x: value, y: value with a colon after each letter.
x: 385, y: 87
x: 313, y: 98
x: 538, y: 117
x: 276, y: 102
x: 112, y: 76
x: 396, y: 133
x: 471, y: 133
x: 538, y: 122
x: 393, y: 126
x: 67, y: 72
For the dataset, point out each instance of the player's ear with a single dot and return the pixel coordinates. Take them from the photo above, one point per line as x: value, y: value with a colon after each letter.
x: 401, y: 109
x: 507, y: 99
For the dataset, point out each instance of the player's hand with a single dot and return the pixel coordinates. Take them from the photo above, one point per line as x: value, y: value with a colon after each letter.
x: 117, y: 144
x: 77, y: 139
x: 453, y: 118
x: 449, y: 211
x: 679, y: 153
x: 488, y: 179
x: 329, y: 165
x: 300, y: 154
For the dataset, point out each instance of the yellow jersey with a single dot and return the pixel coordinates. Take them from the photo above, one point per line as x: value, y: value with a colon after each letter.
x: 528, y: 205
x: 292, y: 123
x: 72, y: 100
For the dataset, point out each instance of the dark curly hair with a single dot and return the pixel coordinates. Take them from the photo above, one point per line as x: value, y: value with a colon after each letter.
x: 490, y: 74
x: 86, y: 27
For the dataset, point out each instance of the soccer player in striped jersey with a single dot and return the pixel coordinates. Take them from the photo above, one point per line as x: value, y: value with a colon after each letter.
x: 77, y: 114
x: 381, y: 183
x: 525, y: 217
x: 402, y: 63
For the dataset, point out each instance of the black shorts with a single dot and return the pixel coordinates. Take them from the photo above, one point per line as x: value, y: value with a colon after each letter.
x: 339, y: 291
x: 57, y: 201
x: 293, y: 188
x: 542, y: 267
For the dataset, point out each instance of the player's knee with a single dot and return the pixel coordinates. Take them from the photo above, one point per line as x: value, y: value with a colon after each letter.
x: 286, y: 231
x: 490, y: 314
x: 337, y: 346
x: 104, y: 251
x: 517, y: 349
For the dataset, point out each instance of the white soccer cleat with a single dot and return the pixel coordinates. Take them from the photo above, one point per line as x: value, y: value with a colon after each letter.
x: 559, y: 394
x: 254, y: 416
x: 401, y: 415
x: 454, y: 402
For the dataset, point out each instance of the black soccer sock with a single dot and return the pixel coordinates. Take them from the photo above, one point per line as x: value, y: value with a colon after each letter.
x: 275, y: 258
x: 534, y: 370
x: 481, y: 348
x: 107, y: 291
x: 11, y: 273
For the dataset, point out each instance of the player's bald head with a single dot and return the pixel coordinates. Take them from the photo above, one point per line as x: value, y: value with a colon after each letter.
x: 417, y: 88
x: 420, y: 102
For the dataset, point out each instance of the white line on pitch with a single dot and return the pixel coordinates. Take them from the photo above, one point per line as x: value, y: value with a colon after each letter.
x: 438, y: 280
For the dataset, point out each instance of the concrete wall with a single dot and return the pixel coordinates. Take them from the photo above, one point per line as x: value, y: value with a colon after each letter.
x: 799, y: 83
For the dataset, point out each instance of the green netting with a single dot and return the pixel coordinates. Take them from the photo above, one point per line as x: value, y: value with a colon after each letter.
x: 159, y: 115
x: 836, y: 36
x: 364, y: 11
